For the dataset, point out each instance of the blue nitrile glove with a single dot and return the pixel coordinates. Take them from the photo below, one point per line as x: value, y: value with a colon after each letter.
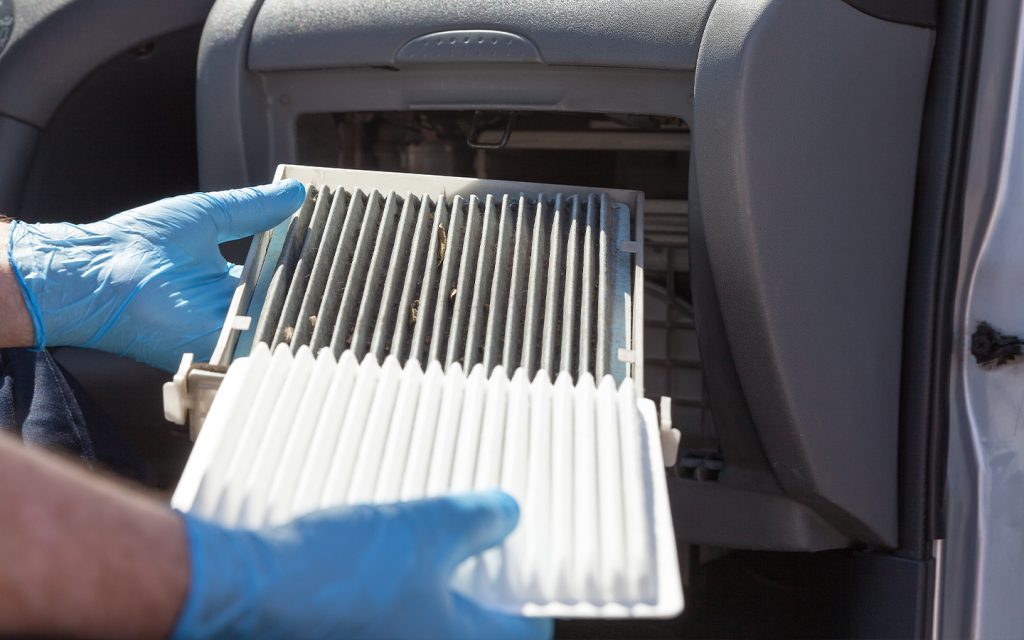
x: 378, y: 571
x: 149, y: 283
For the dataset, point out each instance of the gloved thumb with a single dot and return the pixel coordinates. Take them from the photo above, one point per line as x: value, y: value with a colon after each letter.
x: 240, y: 213
x: 464, y: 525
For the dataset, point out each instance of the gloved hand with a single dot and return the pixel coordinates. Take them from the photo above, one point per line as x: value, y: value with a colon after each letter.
x: 353, y: 572
x: 149, y: 283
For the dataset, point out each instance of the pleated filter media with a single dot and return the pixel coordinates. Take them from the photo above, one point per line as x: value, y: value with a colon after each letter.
x: 288, y: 434
x: 491, y: 272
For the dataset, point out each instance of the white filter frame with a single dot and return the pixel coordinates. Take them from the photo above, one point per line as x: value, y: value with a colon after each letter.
x: 350, y: 419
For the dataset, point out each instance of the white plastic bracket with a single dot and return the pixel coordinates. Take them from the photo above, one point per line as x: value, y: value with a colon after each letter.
x: 189, y: 395
x: 669, y: 436
x: 176, y: 400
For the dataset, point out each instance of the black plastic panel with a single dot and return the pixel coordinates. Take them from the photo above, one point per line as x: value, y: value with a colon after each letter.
x: 17, y: 143
x: 932, y: 277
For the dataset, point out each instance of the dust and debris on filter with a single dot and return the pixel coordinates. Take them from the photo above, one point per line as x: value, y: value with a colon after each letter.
x: 991, y: 348
x: 442, y: 243
x: 312, y: 322
x: 451, y: 296
x: 414, y: 311
x: 288, y: 333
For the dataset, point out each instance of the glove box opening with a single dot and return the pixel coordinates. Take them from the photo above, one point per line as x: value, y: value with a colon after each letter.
x: 642, y: 152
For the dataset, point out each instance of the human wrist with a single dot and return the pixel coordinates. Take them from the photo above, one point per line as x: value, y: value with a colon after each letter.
x: 17, y: 329
x: 48, y: 273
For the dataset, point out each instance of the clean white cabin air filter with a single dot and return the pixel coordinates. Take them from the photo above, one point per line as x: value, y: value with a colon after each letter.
x: 288, y: 434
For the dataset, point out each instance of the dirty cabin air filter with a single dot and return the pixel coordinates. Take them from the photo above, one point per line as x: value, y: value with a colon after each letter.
x: 443, y: 269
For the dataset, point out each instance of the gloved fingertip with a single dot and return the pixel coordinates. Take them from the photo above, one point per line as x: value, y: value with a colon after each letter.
x: 288, y: 192
x: 506, y: 503
x: 497, y: 505
x: 249, y: 211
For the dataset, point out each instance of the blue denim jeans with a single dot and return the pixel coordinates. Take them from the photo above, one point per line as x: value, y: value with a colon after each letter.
x: 44, y: 406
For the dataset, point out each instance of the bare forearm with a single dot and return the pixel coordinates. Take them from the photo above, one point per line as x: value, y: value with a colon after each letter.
x: 81, y: 556
x: 15, y: 322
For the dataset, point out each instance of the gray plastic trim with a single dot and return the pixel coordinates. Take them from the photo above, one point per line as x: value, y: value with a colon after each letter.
x: 6, y: 22
x: 807, y: 119
x: 57, y: 43
x: 229, y: 101
x: 238, y: 147
x: 714, y: 514
x: 652, y: 34
x: 477, y: 45
x: 746, y: 464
